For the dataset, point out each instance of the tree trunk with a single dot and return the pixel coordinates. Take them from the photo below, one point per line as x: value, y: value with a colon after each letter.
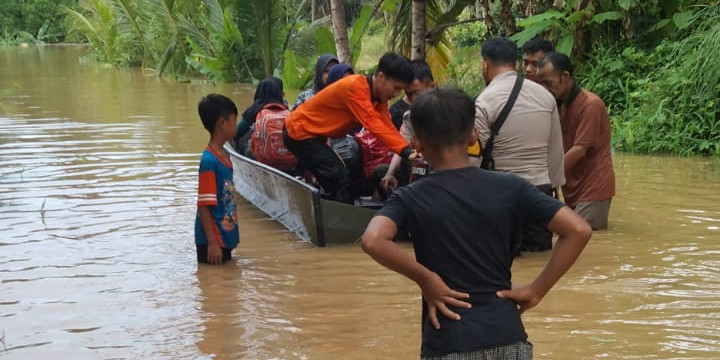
x: 342, y: 45
x: 579, y: 33
x: 488, y: 18
x: 417, y: 41
x: 527, y: 8
x: 507, y: 17
x: 312, y: 10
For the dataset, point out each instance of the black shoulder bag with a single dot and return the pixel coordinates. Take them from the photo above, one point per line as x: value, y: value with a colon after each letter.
x: 488, y: 162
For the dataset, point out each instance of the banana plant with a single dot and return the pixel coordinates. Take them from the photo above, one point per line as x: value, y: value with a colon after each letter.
x: 215, y: 42
x: 564, y: 27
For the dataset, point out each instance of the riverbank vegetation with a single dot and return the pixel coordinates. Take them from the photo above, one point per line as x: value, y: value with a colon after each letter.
x: 650, y: 60
x: 33, y: 22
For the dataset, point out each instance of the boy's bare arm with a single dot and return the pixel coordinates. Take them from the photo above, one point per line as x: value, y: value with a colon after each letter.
x: 377, y: 241
x: 214, y: 252
x: 389, y: 178
x: 574, y: 234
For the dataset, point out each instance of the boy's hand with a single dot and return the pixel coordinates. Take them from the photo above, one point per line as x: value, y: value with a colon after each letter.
x: 438, y: 296
x: 214, y: 256
x: 524, y: 297
x: 413, y: 155
x: 388, y: 180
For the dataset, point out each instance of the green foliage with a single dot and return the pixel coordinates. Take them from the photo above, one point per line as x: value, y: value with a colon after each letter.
x: 36, y: 21
x: 374, y: 45
x: 325, y: 41
x: 99, y: 25
x: 465, y: 71
x: 265, y: 31
x: 294, y: 76
x: 299, y: 70
x: 468, y: 34
x: 439, y: 50
x: 215, y: 44
x: 357, y: 31
x: 664, y: 100
x: 161, y: 35
x: 453, y: 10
x: 561, y: 26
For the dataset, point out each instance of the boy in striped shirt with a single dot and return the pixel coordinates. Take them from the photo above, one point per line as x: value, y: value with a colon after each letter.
x: 216, y: 228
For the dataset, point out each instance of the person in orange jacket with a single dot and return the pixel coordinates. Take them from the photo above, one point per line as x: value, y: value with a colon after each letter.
x: 353, y: 101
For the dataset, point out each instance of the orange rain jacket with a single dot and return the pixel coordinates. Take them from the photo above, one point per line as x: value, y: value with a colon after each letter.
x: 337, y: 110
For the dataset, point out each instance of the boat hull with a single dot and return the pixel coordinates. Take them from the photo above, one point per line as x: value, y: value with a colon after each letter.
x: 297, y: 205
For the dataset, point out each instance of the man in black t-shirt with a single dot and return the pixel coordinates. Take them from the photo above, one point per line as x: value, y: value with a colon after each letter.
x: 398, y: 172
x: 466, y: 224
x: 422, y: 80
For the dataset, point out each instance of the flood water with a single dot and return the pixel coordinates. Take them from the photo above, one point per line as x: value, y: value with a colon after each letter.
x: 97, y: 201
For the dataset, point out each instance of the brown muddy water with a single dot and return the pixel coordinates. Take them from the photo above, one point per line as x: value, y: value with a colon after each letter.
x: 97, y: 191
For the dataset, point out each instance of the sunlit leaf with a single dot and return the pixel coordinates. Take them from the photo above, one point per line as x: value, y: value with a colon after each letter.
x: 565, y: 45
x: 390, y: 5
x: 526, y: 35
x: 577, y: 16
x: 325, y: 41
x: 660, y: 24
x: 292, y: 77
x: 683, y: 19
x: 603, y: 17
x: 358, y: 30
x: 540, y: 18
x: 627, y: 4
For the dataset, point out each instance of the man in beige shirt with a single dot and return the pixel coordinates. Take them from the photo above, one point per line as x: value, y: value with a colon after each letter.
x: 529, y: 144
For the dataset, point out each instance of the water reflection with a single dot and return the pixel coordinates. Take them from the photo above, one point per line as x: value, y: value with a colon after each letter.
x: 97, y: 190
x: 220, y: 311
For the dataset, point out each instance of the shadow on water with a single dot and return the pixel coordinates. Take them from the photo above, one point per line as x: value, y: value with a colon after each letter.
x: 98, y: 175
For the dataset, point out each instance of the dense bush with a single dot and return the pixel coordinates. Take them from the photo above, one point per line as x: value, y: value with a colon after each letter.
x: 465, y: 70
x: 664, y: 99
x: 32, y: 21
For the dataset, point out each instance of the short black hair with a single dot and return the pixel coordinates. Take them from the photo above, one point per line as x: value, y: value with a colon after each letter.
x: 538, y: 44
x: 500, y: 51
x: 421, y: 71
x: 214, y: 107
x: 443, y: 117
x: 559, y: 61
x: 396, y: 66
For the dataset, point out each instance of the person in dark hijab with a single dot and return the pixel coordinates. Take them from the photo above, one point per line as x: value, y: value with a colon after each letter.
x: 338, y: 72
x: 322, y: 67
x: 268, y: 91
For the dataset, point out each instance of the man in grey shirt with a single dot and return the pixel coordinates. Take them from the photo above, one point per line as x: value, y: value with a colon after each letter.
x: 529, y: 143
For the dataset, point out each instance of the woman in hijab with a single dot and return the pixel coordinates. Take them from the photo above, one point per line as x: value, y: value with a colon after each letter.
x: 268, y: 91
x: 322, y: 67
x: 338, y: 72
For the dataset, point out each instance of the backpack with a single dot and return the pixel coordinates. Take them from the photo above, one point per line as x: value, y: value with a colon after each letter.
x: 373, y: 152
x: 266, y: 141
x: 349, y: 151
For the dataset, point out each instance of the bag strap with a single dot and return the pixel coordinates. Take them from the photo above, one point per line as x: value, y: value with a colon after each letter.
x: 495, y: 128
x: 275, y: 106
x: 369, y: 79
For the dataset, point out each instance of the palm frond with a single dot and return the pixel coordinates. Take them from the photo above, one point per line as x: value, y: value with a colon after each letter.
x: 126, y: 11
x: 99, y: 27
x: 265, y: 29
x: 215, y: 44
